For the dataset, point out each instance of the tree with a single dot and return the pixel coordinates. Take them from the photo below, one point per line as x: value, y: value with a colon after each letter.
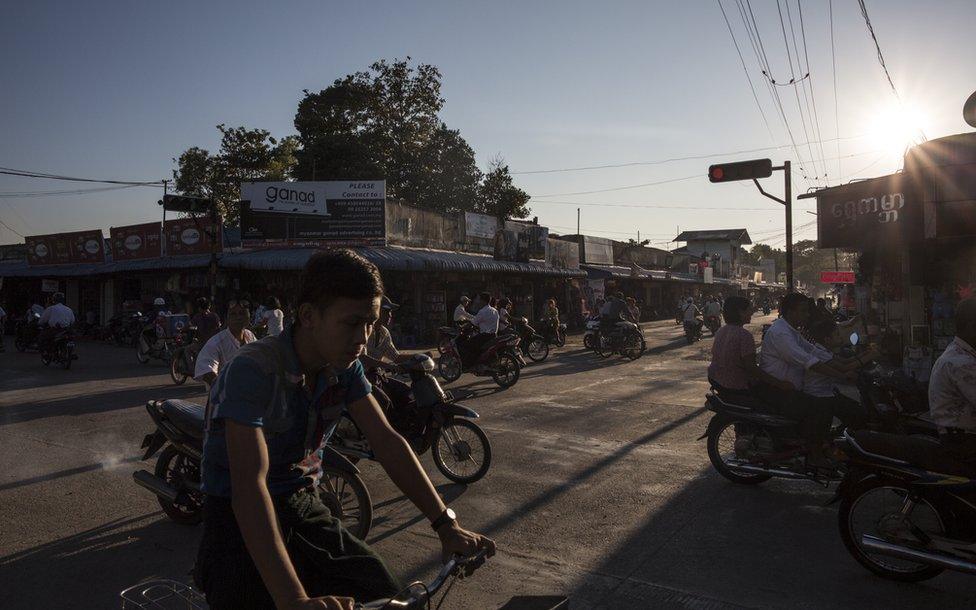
x: 383, y: 123
x: 498, y: 196
x: 245, y: 155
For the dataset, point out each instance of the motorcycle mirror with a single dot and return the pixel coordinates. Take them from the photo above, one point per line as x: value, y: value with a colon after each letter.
x: 855, y: 338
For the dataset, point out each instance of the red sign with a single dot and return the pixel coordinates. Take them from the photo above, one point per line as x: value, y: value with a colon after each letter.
x: 191, y: 236
x: 136, y: 241
x: 66, y: 248
x: 836, y: 277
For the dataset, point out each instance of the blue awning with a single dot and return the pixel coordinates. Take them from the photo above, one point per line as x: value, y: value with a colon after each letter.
x: 22, y: 269
x: 394, y: 259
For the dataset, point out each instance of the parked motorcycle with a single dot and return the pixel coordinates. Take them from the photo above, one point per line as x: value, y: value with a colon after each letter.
x: 184, y: 359
x: 152, y: 345
x: 431, y: 420
x: 499, y: 359
x: 747, y: 443
x: 693, y: 331
x: 531, y: 343
x: 60, y: 349
x: 908, y: 507
x: 27, y: 332
x: 176, y: 479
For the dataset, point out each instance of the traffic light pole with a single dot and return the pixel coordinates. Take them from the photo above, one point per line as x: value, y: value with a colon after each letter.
x: 788, y: 203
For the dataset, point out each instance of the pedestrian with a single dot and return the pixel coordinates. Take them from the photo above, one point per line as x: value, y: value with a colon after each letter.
x: 272, y: 317
x: 205, y: 320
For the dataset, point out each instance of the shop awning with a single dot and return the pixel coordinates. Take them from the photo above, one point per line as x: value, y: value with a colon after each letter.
x: 394, y: 259
x: 22, y: 269
x: 598, y: 272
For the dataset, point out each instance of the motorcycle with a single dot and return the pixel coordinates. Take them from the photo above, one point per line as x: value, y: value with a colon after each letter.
x: 124, y: 328
x: 748, y: 444
x: 499, y: 359
x: 152, y: 344
x: 531, y: 343
x: 60, y: 350
x: 431, y: 420
x: 592, y: 334
x: 908, y: 507
x: 176, y: 479
x: 27, y: 332
x: 693, y: 330
x: 554, y: 333
x: 713, y: 323
x: 184, y: 359
x: 626, y: 339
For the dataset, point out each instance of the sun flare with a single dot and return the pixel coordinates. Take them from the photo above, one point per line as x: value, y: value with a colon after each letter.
x: 896, y: 127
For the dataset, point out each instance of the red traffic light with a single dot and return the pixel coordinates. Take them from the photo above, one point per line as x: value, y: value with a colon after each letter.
x: 742, y: 170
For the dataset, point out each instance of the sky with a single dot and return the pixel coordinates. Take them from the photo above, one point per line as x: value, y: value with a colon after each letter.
x: 117, y: 89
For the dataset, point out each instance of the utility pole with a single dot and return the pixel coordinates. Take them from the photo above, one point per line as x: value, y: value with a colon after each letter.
x: 578, y: 221
x: 162, y: 234
x: 789, y: 224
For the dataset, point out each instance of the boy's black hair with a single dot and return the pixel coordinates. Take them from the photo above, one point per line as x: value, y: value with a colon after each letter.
x: 337, y: 273
x: 732, y: 309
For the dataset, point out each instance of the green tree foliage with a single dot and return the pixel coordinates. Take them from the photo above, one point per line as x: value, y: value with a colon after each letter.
x: 244, y: 155
x: 808, y: 260
x: 384, y: 123
x: 498, y: 195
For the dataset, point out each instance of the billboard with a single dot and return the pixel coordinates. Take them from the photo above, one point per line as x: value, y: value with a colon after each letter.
x: 66, y: 248
x: 563, y: 254
x: 521, y: 242
x: 597, y: 250
x: 191, y: 236
x: 878, y: 210
x: 347, y: 213
x: 133, y: 242
x: 480, y: 225
x: 837, y: 277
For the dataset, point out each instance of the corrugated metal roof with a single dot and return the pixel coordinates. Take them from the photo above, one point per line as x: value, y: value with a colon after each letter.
x: 394, y: 259
x: 739, y: 235
x: 22, y: 269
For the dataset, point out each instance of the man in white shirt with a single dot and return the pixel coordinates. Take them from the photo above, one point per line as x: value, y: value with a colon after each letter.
x: 487, y: 322
x: 461, y: 311
x: 222, y: 347
x: 952, y: 387
x: 56, y: 318
x: 3, y: 325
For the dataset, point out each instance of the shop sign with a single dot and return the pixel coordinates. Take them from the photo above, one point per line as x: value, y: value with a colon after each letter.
x: 837, y: 277
x: 870, y: 211
x: 49, y: 285
x: 66, y: 248
x: 708, y: 275
x: 597, y: 250
x: 135, y: 241
x: 521, y: 242
x: 480, y: 225
x: 337, y: 213
x: 191, y: 236
x: 563, y: 254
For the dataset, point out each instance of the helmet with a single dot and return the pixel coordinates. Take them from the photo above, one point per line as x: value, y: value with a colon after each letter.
x: 159, y: 302
x: 690, y: 300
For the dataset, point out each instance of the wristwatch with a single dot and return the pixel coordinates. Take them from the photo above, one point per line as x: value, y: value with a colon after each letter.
x: 446, y: 517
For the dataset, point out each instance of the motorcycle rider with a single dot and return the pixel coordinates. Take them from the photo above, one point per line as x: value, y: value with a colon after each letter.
x: 486, y: 321
x: 223, y: 346
x: 3, y: 326
x: 690, y: 315
x: 611, y: 313
x: 55, y: 318
x: 206, y: 321
x: 379, y: 350
x: 268, y: 540
x: 713, y: 309
x: 733, y: 370
x: 633, y: 311
x: 461, y: 311
x: 952, y: 387
x: 504, y: 314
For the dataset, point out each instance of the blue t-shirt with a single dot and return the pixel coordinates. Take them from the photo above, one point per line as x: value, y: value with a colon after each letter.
x: 295, y: 430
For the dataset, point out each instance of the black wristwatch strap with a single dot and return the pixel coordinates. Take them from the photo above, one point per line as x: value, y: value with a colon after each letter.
x: 445, y: 517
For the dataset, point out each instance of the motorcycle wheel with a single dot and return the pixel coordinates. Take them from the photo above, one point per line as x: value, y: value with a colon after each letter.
x: 20, y: 344
x: 65, y: 353
x: 721, y: 445
x: 174, y: 467
x: 462, y: 452
x: 634, y: 347
x: 588, y: 342
x: 537, y: 350
x: 507, y: 372
x: 560, y: 338
x: 347, y: 498
x: 142, y: 354
x: 449, y: 366
x: 176, y: 371
x: 886, y: 498
x: 45, y: 359
x: 443, y: 345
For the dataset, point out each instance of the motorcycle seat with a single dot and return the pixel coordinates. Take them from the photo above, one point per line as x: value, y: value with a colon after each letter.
x: 185, y: 415
x: 919, y: 452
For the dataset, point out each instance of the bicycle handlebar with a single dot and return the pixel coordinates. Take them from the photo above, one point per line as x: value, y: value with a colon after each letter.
x: 453, y: 567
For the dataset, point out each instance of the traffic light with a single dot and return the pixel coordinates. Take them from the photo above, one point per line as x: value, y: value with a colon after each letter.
x: 190, y: 205
x: 743, y: 170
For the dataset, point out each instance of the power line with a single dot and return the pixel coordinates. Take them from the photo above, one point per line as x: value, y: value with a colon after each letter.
x: 28, y: 194
x: 833, y: 64
x: 621, y: 188
x: 11, y: 229
x: 746, y: 71
x: 653, y: 206
x: 796, y: 92
x: 881, y: 59
x: 809, y: 82
x: 33, y: 174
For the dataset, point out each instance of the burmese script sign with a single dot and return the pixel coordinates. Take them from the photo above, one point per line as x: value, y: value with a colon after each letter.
x: 66, y: 248
x: 836, y: 277
x: 136, y: 241
x: 347, y: 213
x: 868, y: 212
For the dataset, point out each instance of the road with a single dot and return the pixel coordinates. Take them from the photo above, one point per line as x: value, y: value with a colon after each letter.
x: 599, y: 491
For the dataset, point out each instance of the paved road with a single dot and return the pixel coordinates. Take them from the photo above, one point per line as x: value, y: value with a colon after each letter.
x: 599, y: 491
